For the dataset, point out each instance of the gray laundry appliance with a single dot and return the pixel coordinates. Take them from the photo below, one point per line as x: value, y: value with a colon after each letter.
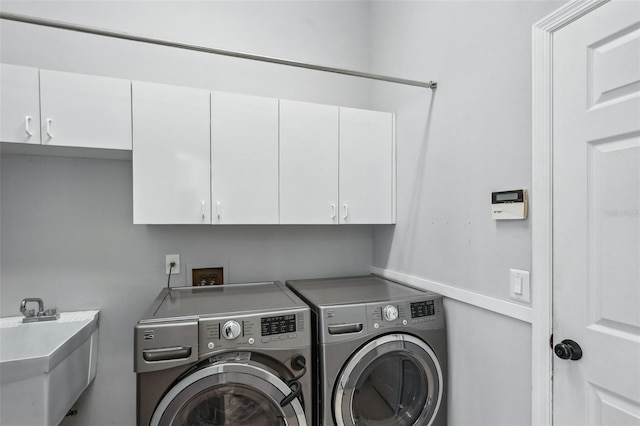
x: 225, y: 355
x: 380, y: 351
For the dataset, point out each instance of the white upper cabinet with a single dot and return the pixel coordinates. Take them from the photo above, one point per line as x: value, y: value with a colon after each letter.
x: 19, y: 104
x: 202, y: 157
x: 244, y: 159
x: 367, y: 167
x: 308, y: 163
x: 85, y: 110
x: 171, y: 155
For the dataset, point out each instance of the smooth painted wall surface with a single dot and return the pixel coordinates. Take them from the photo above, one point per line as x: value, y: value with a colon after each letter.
x: 489, y: 367
x: 67, y: 233
x: 456, y: 145
x: 320, y: 32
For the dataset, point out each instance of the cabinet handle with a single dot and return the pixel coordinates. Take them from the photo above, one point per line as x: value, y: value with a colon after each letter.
x: 346, y: 211
x: 203, y: 210
x: 218, y: 209
x: 49, y: 121
x: 333, y: 214
x: 27, y: 125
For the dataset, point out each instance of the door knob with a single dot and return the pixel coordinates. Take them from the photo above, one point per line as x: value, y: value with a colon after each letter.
x: 568, y: 349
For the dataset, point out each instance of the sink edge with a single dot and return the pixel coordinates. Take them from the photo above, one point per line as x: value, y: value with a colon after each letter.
x: 21, y: 369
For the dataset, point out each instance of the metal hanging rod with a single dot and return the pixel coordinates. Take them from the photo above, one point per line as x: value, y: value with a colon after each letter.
x: 222, y: 52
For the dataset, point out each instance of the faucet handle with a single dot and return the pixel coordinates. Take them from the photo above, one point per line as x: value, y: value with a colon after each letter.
x: 51, y: 311
x: 30, y: 312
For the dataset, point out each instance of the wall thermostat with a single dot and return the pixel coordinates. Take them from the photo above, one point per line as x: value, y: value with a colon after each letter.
x: 509, y: 204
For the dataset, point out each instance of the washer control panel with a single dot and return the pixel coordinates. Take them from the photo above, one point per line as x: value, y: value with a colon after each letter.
x: 279, y: 331
x: 403, y: 313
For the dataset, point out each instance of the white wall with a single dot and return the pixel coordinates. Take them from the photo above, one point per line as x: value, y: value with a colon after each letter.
x: 67, y: 232
x: 456, y: 145
x: 326, y: 33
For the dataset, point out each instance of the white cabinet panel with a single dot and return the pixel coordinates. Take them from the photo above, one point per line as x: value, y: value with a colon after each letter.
x: 85, y: 110
x: 308, y: 163
x: 367, y: 167
x: 19, y: 104
x: 244, y: 159
x: 171, y: 154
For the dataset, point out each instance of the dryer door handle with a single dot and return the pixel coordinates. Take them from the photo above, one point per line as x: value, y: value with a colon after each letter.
x: 165, y: 354
x: 345, y: 328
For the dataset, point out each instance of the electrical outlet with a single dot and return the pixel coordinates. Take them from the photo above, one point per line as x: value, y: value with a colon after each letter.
x: 172, y: 258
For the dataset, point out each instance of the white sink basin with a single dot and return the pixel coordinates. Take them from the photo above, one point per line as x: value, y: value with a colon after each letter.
x: 45, y: 366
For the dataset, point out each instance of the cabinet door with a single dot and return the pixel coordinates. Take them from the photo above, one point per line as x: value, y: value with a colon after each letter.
x: 171, y: 160
x: 85, y: 110
x: 367, y: 166
x: 244, y: 159
x: 308, y: 163
x: 19, y: 104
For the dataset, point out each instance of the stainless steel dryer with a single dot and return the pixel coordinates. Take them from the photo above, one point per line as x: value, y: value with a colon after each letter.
x: 381, y: 352
x: 224, y: 355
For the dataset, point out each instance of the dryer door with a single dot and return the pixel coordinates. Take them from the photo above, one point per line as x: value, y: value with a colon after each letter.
x: 229, y: 393
x: 393, y: 380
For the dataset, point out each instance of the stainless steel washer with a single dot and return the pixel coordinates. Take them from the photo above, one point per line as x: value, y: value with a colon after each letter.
x: 224, y: 355
x: 381, y: 352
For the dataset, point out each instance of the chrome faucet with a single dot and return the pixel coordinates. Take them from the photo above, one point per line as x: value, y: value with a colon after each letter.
x: 30, y: 315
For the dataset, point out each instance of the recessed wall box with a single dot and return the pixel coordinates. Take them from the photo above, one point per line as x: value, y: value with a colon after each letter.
x: 207, y: 272
x: 509, y: 204
x: 207, y: 276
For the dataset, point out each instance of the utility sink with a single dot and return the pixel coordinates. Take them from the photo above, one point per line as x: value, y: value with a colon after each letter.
x: 45, y: 366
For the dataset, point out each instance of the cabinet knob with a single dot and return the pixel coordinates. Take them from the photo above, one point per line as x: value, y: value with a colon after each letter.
x: 49, y: 121
x: 27, y: 125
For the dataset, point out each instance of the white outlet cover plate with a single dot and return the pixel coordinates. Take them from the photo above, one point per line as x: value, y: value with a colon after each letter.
x: 519, y: 285
x: 172, y: 258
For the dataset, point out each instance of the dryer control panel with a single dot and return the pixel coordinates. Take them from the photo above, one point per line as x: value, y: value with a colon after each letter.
x: 280, y: 330
x: 381, y: 316
x: 345, y: 322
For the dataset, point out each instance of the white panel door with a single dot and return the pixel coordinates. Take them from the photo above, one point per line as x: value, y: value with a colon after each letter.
x: 596, y: 217
x: 308, y: 163
x: 367, y: 167
x: 19, y: 104
x: 171, y: 154
x: 85, y: 110
x: 244, y: 159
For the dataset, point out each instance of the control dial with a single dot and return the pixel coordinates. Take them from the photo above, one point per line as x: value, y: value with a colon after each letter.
x: 390, y: 313
x: 231, y: 330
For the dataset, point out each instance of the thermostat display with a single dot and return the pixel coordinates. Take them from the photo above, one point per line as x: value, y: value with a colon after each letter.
x: 509, y: 204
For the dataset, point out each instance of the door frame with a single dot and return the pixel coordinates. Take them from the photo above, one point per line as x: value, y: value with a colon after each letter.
x: 542, y: 205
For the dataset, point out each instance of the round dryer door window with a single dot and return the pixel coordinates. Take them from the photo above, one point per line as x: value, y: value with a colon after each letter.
x: 393, y: 380
x: 226, y: 394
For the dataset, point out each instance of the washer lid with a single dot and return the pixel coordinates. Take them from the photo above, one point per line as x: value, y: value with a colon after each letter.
x: 349, y: 290
x: 180, y: 302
